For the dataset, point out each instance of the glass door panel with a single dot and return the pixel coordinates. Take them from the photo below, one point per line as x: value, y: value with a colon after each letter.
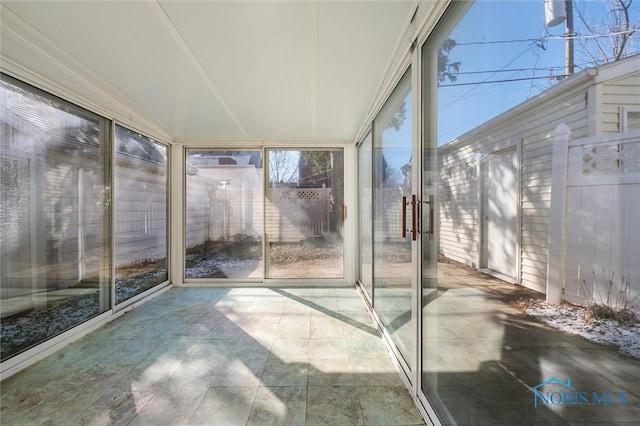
x: 484, y: 87
x: 140, y: 214
x: 304, y: 213
x: 224, y: 214
x: 55, y: 198
x: 392, y: 212
x: 365, y: 153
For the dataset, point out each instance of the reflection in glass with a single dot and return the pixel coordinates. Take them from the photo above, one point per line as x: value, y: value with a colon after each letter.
x: 304, y: 214
x: 140, y: 215
x: 54, y: 213
x: 366, y: 214
x: 224, y: 223
x: 494, y: 93
x: 392, y: 149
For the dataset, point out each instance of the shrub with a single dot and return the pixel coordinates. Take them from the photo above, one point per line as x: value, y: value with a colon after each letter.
x: 607, y: 300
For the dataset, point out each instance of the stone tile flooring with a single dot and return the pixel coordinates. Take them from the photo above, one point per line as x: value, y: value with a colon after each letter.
x: 202, y: 356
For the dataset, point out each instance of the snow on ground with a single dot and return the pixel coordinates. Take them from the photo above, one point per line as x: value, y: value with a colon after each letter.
x: 229, y: 268
x: 569, y: 318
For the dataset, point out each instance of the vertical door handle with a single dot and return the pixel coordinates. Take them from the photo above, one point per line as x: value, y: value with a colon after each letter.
x: 431, y: 217
x: 413, y: 217
x: 404, y: 216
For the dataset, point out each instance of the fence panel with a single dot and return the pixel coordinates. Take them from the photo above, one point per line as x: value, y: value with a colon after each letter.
x: 387, y: 218
x: 294, y: 214
x: 601, y: 231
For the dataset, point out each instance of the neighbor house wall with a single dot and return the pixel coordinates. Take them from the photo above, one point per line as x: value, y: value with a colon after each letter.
x: 527, y: 127
x: 140, y: 210
x: 618, y: 94
x: 197, y: 215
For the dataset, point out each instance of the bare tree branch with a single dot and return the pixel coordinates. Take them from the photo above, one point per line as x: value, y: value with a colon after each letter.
x: 611, y: 36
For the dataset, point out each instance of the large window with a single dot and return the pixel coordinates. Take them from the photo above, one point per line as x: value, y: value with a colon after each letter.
x: 140, y: 214
x: 54, y: 212
x: 224, y: 214
x: 304, y: 214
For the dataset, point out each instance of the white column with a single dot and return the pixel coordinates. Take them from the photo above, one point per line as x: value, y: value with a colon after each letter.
x: 555, y: 261
x: 176, y: 214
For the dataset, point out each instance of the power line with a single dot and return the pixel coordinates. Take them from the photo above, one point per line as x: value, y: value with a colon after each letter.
x: 587, y: 36
x: 549, y: 77
x: 525, y: 40
x: 547, y: 37
x: 511, y: 70
x: 464, y: 95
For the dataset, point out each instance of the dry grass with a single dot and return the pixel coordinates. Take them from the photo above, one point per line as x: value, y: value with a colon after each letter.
x: 608, y: 299
x: 624, y: 316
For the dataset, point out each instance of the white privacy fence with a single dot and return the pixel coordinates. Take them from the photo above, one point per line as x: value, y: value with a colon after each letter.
x: 595, y: 218
x: 387, y: 218
x: 223, y: 202
x: 224, y: 209
x: 294, y: 214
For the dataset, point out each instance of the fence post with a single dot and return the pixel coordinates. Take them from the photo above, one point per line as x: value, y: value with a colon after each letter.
x: 555, y: 260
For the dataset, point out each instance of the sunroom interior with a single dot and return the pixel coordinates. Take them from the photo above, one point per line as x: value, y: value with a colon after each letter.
x: 315, y: 160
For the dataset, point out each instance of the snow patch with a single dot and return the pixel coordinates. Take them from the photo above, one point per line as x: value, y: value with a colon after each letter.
x: 569, y: 319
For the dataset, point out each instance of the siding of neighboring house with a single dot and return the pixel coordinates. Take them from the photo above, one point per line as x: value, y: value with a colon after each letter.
x: 197, y: 213
x: 535, y: 178
x: 528, y: 129
x: 616, y: 94
x: 140, y: 210
x: 459, y: 207
x: 588, y: 103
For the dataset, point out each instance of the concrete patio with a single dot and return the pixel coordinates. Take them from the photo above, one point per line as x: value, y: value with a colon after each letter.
x: 485, y: 358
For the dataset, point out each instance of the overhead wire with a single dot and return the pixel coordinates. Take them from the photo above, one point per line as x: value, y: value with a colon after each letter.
x: 509, y: 80
x: 485, y: 81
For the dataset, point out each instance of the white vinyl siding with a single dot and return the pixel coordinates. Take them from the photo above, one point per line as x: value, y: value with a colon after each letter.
x: 620, y: 93
x: 460, y: 200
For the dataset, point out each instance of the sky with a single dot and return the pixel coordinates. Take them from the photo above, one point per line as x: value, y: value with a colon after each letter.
x: 507, y: 56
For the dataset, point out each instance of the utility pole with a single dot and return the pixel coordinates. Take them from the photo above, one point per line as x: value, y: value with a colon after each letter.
x: 557, y: 11
x: 569, y: 38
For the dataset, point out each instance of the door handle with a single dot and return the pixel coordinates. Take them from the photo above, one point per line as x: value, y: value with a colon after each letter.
x: 404, y: 216
x: 431, y: 217
x: 431, y: 203
x: 413, y: 217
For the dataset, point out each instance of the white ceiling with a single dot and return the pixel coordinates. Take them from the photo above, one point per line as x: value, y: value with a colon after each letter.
x: 216, y: 70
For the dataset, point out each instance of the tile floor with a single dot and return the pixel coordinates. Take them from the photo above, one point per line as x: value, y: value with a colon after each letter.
x: 206, y: 356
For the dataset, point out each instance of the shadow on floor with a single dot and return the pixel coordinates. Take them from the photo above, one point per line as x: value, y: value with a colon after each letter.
x: 485, y: 362
x: 207, y: 356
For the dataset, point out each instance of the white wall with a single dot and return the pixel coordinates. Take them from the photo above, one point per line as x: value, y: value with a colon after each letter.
x: 528, y: 128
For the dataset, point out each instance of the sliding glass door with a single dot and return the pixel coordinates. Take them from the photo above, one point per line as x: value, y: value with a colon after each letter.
x: 304, y: 214
x: 224, y: 214
x: 238, y: 227
x: 394, y: 207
